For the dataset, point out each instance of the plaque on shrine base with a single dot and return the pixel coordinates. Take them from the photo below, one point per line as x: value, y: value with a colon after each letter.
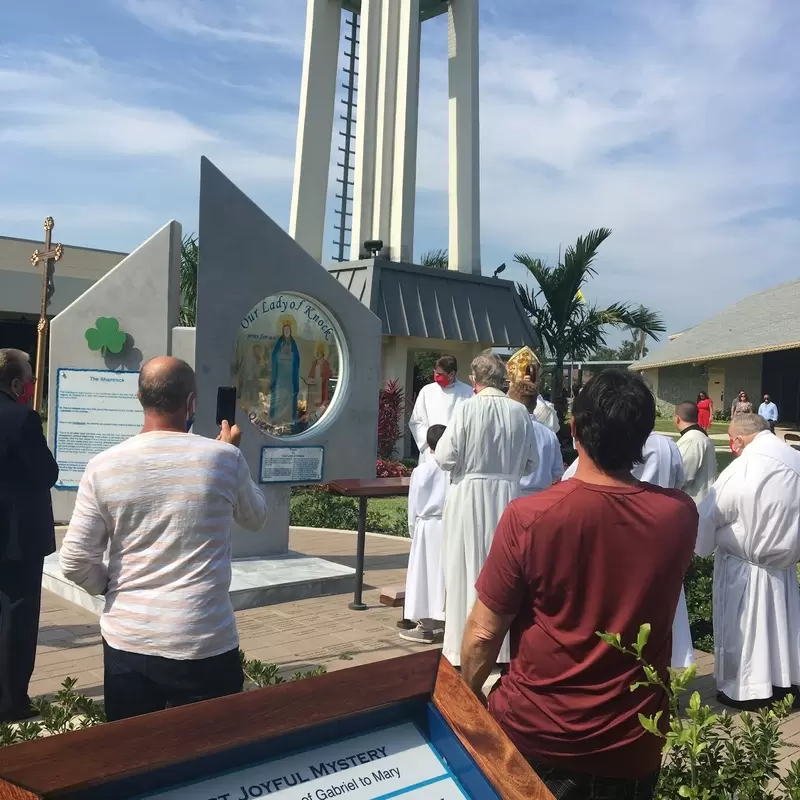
x: 408, y: 728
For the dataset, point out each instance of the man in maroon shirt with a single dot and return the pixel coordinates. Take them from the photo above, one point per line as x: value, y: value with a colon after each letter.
x: 600, y: 552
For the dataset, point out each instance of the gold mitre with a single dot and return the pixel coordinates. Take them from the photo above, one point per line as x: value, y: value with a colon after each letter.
x: 524, y: 366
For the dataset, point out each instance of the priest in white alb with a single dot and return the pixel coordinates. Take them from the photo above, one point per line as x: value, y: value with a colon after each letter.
x: 487, y: 447
x: 662, y: 466
x: 751, y: 521
x: 437, y: 402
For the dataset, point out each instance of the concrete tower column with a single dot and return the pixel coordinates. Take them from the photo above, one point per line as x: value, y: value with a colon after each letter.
x: 464, y: 196
x: 385, y: 123
x: 369, y: 59
x: 404, y: 185
x: 314, y: 125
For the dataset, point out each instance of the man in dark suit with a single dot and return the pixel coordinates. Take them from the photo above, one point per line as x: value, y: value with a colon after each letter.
x: 27, y: 472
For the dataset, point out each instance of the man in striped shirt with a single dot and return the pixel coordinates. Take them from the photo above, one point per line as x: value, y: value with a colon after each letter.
x: 163, y: 504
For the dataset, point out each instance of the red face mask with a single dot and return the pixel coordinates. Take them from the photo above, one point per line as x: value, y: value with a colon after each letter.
x: 28, y: 391
x: 441, y: 380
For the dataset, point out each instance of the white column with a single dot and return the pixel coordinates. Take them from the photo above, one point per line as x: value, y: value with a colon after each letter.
x: 369, y: 58
x: 404, y: 187
x: 465, y: 222
x: 385, y: 124
x: 315, y: 125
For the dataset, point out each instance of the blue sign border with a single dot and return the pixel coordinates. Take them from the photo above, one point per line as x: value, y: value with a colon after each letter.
x: 291, y: 447
x: 65, y: 487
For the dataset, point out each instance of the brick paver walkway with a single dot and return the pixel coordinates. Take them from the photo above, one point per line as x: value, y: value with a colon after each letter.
x: 296, y: 636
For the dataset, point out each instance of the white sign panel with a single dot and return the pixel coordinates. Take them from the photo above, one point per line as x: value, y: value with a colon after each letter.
x: 391, y: 762
x: 95, y: 409
x: 291, y: 464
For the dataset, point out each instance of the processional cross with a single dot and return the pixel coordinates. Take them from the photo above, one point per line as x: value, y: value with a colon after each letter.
x: 48, y: 258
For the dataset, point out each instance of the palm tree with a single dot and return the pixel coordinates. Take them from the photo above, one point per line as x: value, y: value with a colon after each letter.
x: 435, y: 258
x: 567, y: 325
x: 645, y: 323
x: 190, y: 255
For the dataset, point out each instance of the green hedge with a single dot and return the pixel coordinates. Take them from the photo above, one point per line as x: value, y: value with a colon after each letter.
x: 318, y: 508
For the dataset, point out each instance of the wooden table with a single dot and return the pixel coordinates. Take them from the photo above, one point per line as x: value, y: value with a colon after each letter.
x: 364, y: 489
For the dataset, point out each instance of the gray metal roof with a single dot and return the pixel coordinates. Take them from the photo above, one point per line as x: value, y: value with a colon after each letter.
x: 438, y: 304
x: 761, y: 323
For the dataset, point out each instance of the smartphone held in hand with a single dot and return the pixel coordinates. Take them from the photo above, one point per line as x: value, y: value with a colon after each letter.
x: 226, y: 405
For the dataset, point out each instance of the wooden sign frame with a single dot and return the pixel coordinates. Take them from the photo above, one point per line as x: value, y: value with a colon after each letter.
x: 159, y: 751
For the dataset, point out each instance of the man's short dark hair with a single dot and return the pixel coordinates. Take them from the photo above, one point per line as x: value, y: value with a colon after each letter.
x: 12, y: 365
x: 447, y: 364
x: 687, y: 411
x: 434, y: 434
x: 614, y: 415
x: 166, y: 390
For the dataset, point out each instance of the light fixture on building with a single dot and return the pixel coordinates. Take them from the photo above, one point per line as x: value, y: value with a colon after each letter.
x: 373, y: 247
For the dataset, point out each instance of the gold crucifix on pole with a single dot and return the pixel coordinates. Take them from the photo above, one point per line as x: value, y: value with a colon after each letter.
x: 48, y: 257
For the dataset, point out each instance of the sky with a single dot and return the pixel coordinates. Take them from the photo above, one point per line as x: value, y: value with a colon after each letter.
x: 674, y: 122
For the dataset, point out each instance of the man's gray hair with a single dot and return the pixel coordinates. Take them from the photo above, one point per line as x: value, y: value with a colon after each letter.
x: 12, y: 365
x: 166, y: 388
x: 749, y: 424
x: 489, y: 370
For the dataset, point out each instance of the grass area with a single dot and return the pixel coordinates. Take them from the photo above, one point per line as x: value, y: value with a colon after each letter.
x: 392, y: 511
x: 723, y: 459
x: 666, y: 426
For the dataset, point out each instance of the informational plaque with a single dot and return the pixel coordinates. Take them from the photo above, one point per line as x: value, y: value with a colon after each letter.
x: 95, y: 409
x: 390, y: 762
x: 291, y: 464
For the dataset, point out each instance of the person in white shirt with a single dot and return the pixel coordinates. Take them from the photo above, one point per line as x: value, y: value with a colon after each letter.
x: 551, y: 461
x: 751, y: 522
x: 163, y: 503
x: 546, y: 413
x: 488, y: 446
x: 436, y: 403
x: 425, y: 578
x: 661, y: 465
x: 769, y: 411
x: 697, y: 452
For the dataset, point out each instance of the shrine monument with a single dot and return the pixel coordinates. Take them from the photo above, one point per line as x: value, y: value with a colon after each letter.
x: 303, y: 353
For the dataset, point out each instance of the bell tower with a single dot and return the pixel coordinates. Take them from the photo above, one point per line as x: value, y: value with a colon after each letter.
x: 385, y: 157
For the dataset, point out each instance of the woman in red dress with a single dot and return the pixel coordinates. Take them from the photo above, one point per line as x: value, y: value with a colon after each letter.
x: 705, y: 411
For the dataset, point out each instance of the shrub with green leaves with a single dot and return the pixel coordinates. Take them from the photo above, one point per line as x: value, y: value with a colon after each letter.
x: 316, y: 507
x: 710, y: 756
x: 69, y: 711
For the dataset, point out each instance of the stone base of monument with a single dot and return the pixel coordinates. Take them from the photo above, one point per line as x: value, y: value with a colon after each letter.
x: 255, y: 582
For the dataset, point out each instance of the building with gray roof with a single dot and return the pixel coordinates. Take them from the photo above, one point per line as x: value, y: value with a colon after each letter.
x: 754, y: 346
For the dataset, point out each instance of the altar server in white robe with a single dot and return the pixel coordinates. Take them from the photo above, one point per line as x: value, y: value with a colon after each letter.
x: 662, y: 466
x: 551, y: 461
x: 424, y: 600
x: 436, y: 403
x: 751, y: 521
x: 488, y: 446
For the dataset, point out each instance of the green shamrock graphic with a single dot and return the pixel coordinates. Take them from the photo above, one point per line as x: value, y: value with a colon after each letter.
x: 106, y: 335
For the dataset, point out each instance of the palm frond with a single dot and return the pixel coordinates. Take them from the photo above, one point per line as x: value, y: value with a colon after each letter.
x: 645, y: 320
x: 438, y: 259
x: 190, y: 257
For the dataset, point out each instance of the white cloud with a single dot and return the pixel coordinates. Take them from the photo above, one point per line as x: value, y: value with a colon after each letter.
x: 273, y: 22
x: 682, y: 140
x: 673, y: 122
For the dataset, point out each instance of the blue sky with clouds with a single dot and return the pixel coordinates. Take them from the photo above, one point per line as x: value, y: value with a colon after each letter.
x: 674, y: 122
